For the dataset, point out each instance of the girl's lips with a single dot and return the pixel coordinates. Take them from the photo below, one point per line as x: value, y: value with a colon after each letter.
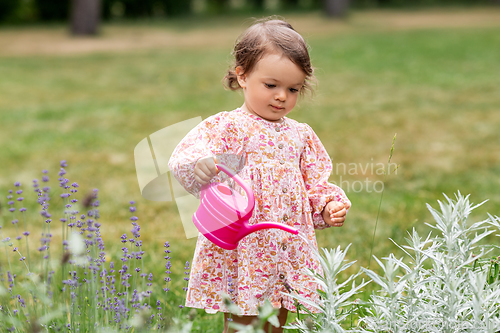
x: 277, y: 107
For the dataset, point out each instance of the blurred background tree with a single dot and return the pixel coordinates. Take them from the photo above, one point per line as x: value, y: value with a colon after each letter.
x: 134, y: 8
x: 336, y: 8
x: 25, y: 11
x: 7, y: 7
x: 176, y: 8
x: 217, y: 6
x: 257, y: 5
x: 85, y: 16
x: 52, y: 10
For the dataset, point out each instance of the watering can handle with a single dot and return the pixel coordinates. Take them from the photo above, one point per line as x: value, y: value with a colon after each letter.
x: 242, y: 183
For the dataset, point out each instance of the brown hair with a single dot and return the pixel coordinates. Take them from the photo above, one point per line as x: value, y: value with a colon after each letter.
x: 267, y: 36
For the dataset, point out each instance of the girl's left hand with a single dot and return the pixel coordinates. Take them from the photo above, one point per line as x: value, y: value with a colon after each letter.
x: 334, y: 213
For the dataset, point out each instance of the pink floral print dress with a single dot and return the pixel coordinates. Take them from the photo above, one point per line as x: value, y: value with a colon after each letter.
x: 287, y: 168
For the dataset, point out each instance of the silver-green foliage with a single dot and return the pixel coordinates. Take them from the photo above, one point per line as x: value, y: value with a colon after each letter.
x: 334, y: 304
x: 445, y: 284
x: 443, y: 288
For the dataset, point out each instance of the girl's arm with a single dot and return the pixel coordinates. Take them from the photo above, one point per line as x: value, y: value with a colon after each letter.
x: 206, y: 140
x: 316, y: 168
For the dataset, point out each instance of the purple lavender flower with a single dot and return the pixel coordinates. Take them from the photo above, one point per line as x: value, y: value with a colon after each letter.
x: 61, y: 173
x: 150, y: 279
x: 21, y: 301
x: 135, y: 231
x: 63, y: 164
x: 124, y: 238
x: 10, y: 279
x: 186, y: 268
x: 230, y: 285
x: 17, y: 184
x: 168, y: 265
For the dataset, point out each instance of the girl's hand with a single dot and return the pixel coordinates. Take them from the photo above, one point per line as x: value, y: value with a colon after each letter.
x: 205, y: 169
x: 334, y: 213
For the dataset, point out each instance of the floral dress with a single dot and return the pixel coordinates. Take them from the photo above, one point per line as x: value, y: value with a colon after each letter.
x: 287, y: 168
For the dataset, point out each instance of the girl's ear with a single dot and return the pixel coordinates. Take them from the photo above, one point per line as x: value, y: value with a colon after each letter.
x: 240, y: 75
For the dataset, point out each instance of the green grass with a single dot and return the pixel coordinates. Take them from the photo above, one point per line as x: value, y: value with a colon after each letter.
x: 436, y: 88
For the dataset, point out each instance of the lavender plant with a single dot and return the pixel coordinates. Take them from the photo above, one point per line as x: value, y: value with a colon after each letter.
x: 90, y: 294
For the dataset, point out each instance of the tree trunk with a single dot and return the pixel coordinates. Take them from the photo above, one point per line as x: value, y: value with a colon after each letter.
x: 336, y: 8
x: 85, y: 16
x: 256, y: 4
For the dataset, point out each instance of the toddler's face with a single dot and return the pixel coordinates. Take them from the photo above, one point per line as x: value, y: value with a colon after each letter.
x: 272, y: 87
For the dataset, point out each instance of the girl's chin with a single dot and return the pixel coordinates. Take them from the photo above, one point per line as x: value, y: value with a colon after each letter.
x: 273, y: 120
x: 270, y: 116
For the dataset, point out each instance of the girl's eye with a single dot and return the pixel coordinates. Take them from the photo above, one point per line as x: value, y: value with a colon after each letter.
x: 269, y: 85
x: 293, y: 90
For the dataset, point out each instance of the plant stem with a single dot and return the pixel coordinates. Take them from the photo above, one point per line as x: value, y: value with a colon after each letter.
x: 27, y: 244
x: 380, y: 202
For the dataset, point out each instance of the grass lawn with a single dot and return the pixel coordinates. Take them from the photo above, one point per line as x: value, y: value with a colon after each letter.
x: 432, y: 77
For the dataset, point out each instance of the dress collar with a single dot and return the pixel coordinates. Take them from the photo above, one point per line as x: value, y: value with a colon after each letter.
x: 280, y: 125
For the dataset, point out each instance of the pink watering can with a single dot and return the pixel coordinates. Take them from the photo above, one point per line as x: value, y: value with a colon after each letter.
x: 223, y: 214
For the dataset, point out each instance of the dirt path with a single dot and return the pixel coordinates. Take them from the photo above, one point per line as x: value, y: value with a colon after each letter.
x: 114, y: 38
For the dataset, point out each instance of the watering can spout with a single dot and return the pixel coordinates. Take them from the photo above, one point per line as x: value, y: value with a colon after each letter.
x: 221, y: 218
x: 248, y: 229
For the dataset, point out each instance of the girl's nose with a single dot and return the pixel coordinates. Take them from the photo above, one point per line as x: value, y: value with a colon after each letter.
x: 281, y: 95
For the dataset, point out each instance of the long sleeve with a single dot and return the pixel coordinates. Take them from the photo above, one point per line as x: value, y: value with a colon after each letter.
x: 316, y: 168
x: 210, y: 137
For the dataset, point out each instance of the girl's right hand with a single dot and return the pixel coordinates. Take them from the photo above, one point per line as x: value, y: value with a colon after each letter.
x: 205, y: 169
